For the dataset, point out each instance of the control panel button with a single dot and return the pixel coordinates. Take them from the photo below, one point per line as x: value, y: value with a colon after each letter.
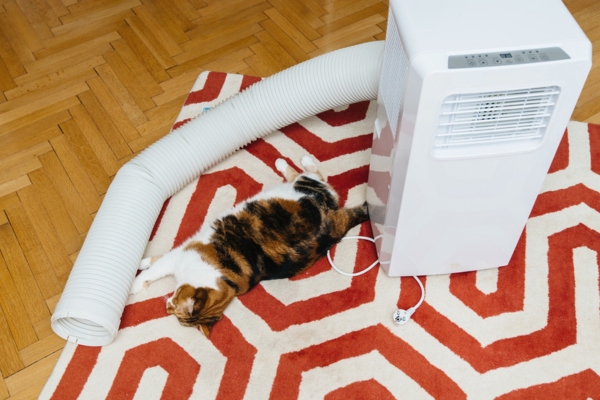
x: 507, y: 58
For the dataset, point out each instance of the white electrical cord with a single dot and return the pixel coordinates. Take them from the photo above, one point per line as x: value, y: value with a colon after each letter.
x: 364, y: 271
x: 400, y: 317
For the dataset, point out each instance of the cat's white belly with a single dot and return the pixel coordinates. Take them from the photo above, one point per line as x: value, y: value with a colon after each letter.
x: 191, y: 269
x: 282, y: 191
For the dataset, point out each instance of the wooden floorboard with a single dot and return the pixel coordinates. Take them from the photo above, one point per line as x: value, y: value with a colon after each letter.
x: 85, y: 85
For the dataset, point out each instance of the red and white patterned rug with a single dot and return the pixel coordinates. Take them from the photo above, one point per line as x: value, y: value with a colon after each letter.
x: 528, y: 330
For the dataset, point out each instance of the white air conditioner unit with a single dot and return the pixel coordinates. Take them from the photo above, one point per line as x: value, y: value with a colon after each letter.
x: 474, y: 98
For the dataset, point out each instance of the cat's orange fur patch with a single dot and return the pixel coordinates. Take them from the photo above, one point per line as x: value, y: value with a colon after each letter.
x: 202, y: 307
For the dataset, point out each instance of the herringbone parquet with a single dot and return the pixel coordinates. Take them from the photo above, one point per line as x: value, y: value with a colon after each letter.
x: 85, y: 85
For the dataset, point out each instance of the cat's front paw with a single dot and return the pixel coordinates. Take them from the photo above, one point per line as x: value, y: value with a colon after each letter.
x: 138, y: 285
x: 145, y: 263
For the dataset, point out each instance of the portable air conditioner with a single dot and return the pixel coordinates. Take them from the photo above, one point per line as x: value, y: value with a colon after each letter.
x: 474, y: 98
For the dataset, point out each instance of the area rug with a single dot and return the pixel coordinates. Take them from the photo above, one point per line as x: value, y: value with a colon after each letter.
x: 530, y: 330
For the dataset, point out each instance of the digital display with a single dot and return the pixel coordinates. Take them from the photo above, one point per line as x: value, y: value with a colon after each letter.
x: 507, y: 58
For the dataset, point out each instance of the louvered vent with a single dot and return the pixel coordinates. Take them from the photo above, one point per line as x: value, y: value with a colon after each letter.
x: 393, y: 74
x: 494, y: 122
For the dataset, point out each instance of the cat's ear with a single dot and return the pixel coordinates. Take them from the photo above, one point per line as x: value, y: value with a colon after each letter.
x: 199, y: 298
x: 206, y: 329
x: 211, y: 303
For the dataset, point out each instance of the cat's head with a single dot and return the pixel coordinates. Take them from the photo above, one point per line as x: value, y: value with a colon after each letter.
x: 199, y: 307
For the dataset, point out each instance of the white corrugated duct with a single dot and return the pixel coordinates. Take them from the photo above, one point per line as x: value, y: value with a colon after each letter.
x: 90, y: 308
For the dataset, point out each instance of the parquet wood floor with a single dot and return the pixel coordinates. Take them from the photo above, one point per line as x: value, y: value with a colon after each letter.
x: 85, y: 85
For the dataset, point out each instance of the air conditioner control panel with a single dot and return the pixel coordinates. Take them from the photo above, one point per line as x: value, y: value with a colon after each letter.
x: 507, y: 58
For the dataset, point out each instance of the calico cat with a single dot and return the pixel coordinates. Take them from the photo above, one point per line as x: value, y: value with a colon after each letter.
x: 276, y: 234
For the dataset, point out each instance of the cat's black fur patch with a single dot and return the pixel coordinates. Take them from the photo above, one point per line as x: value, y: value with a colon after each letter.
x: 279, y: 238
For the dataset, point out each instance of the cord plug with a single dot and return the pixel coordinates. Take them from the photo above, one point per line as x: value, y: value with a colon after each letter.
x: 401, y: 317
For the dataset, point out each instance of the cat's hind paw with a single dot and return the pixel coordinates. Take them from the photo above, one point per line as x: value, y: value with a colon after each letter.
x: 309, y: 164
x: 286, y: 170
x: 281, y: 165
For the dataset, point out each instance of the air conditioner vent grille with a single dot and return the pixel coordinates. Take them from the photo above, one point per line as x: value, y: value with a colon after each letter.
x: 393, y: 74
x: 516, y: 117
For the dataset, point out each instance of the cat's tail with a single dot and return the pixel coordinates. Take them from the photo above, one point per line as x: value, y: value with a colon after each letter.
x: 358, y: 214
x: 343, y: 219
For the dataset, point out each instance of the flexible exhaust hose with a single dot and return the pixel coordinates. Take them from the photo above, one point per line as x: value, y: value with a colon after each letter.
x: 91, y: 305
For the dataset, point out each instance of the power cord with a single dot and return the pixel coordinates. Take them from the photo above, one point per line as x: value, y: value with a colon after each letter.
x: 400, y: 317
x: 364, y: 271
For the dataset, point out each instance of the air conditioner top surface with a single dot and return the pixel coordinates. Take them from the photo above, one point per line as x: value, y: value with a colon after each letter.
x: 460, y: 26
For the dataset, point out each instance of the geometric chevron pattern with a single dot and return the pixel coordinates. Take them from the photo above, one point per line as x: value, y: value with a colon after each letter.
x: 524, y: 331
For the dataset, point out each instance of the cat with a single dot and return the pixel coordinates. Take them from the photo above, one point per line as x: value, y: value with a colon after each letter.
x: 278, y: 233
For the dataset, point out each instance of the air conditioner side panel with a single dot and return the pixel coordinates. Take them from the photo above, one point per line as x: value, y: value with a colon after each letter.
x: 390, y: 156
